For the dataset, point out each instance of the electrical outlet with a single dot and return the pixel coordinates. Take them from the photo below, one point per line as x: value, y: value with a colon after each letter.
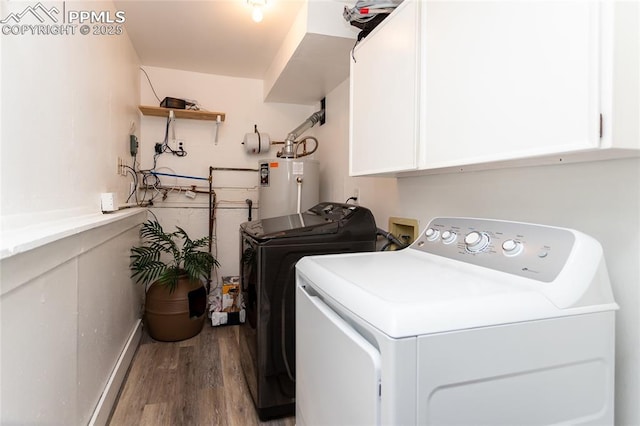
x: 356, y: 195
x: 122, y: 166
x: 176, y: 146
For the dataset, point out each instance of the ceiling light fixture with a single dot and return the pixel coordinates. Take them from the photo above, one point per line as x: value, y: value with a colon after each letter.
x: 257, y: 6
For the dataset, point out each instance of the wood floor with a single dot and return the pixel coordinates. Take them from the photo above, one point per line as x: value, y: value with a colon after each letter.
x: 197, y: 381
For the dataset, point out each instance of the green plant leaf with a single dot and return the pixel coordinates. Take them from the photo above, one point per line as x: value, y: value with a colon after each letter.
x: 153, y: 233
x: 148, y: 266
x: 170, y: 278
x: 148, y: 272
x: 198, y: 264
x: 141, y: 255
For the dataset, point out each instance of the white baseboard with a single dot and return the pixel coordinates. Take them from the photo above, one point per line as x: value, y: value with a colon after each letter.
x: 110, y: 393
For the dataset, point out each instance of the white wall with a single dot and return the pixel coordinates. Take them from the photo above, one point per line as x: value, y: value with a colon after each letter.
x: 601, y: 199
x: 67, y: 304
x: 67, y: 107
x: 241, y: 100
x: 377, y: 194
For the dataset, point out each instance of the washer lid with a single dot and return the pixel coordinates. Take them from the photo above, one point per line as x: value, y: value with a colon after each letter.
x: 322, y: 219
x: 410, y: 292
x: 292, y: 225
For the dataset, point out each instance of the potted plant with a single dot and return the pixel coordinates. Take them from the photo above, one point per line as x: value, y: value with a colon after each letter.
x: 172, y: 268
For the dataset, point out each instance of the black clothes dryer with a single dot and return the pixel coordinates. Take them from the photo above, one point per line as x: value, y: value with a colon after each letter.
x: 270, y: 249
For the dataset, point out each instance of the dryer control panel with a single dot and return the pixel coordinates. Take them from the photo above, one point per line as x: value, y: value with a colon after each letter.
x: 533, y: 251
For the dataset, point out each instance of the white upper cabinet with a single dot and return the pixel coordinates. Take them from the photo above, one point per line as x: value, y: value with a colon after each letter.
x: 471, y: 84
x: 509, y: 79
x: 384, y: 96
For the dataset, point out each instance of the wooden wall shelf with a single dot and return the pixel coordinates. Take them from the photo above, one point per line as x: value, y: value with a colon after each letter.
x: 181, y: 113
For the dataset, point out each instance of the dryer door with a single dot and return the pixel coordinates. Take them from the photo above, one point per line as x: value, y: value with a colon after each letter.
x: 338, y: 371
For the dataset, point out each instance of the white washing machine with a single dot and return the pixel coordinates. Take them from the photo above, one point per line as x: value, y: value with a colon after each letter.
x: 479, y: 322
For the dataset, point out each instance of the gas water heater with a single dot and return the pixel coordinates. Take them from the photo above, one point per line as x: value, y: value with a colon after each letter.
x: 290, y: 183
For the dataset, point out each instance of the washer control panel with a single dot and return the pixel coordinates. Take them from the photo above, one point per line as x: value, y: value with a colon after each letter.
x: 534, y: 251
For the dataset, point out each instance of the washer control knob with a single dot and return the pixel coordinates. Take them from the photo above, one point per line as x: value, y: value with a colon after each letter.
x: 448, y: 237
x: 432, y: 234
x: 476, y: 241
x: 512, y: 247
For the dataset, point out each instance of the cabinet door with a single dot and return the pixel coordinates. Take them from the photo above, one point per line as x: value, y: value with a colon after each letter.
x: 338, y: 371
x: 384, y: 96
x: 509, y: 79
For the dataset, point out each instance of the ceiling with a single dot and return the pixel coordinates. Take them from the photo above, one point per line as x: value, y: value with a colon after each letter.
x: 214, y: 37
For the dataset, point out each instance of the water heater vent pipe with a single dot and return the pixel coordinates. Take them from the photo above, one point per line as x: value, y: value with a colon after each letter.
x: 289, y: 143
